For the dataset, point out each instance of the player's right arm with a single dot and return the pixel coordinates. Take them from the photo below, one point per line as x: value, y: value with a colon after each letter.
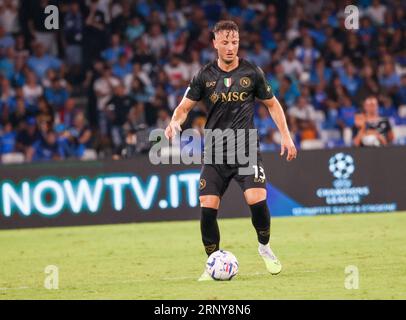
x: 193, y: 94
x: 179, y: 117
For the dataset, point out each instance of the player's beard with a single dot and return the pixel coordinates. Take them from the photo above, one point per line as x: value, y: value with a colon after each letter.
x: 227, y: 60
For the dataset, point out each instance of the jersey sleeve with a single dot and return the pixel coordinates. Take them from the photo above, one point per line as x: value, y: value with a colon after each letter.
x: 195, y: 89
x: 262, y: 88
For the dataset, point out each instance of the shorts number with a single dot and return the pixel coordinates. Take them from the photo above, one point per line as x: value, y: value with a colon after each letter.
x: 259, y: 174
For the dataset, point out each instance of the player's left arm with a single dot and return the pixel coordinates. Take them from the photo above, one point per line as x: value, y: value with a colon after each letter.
x: 277, y: 114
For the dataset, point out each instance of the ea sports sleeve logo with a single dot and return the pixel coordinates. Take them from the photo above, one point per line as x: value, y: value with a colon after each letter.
x: 202, y: 184
x: 341, y: 165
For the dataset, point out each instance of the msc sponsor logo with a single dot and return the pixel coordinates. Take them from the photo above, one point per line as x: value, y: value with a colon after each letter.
x: 232, y: 96
x: 214, y: 97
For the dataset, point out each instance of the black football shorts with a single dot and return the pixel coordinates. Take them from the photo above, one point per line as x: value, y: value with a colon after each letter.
x: 215, y: 178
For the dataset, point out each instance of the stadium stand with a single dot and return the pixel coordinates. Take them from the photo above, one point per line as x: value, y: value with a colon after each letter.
x: 117, y: 69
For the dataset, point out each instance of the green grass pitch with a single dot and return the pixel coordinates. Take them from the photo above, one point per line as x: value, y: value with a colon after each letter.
x: 163, y: 260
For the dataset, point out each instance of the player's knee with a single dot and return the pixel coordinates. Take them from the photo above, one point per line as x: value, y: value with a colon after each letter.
x: 210, y: 201
x: 255, y: 195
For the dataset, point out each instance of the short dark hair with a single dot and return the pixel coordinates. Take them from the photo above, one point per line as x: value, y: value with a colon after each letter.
x: 225, y: 25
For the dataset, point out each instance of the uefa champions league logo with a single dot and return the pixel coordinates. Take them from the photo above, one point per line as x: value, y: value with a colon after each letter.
x: 341, y: 165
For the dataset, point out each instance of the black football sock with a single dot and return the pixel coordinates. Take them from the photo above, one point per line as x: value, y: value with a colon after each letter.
x: 210, y: 230
x: 261, y: 221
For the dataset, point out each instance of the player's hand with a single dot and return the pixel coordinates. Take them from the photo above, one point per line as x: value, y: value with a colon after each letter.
x: 288, y: 145
x: 171, y: 129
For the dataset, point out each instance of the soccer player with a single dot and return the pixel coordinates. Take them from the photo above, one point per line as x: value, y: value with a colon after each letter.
x: 228, y: 87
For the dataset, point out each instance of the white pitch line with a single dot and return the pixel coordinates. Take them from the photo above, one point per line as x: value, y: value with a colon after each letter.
x: 18, y: 288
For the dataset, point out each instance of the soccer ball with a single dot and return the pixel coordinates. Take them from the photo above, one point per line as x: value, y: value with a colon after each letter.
x: 222, y: 265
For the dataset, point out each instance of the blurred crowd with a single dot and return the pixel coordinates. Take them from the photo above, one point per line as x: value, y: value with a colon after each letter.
x: 115, y: 69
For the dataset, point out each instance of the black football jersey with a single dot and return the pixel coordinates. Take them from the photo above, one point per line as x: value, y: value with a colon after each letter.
x: 229, y: 96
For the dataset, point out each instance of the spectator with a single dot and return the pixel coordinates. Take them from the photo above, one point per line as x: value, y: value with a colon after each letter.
x: 260, y: 56
x: 104, y: 87
x: 6, y: 91
x: 50, y: 76
x: 118, y: 107
x: 269, y: 32
x: 292, y: 66
x: 139, y: 73
x: 121, y: 13
x: 6, y: 40
x: 76, y: 139
x: 388, y: 77
x: 45, y: 114
x: 307, y: 54
x: 115, y: 51
x: 68, y: 112
x: 289, y: 90
x: 353, y: 49
x: 21, y: 51
x: 376, y: 12
x: 180, y: 44
x: 7, y: 139
x: 177, y: 71
x: 163, y: 118
x: 155, y: 40
x: 140, y: 92
x: 387, y: 109
x: 346, y: 113
x: 370, y: 129
x: 57, y: 94
x: 369, y: 85
x: 144, y: 56
x: 95, y: 34
x: 135, y: 29
x: 19, y: 113
x: 302, y: 118
x: 46, y: 148
x: 19, y: 73
x: 366, y: 31
x: 123, y: 67
x: 320, y: 96
x: 175, y: 13
x: 173, y: 31
x: 32, y: 90
x: 9, y: 15
x: 27, y: 136
x: 263, y: 122
x: 7, y: 63
x: 195, y: 65
x: 401, y: 96
x: 73, y: 35
x: 41, y: 62
x: 136, y: 131
x: 269, y: 142
x: 349, y: 79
